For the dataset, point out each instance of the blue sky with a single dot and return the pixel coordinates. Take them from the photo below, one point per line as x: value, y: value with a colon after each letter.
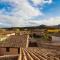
x: 52, y: 9
x: 22, y: 13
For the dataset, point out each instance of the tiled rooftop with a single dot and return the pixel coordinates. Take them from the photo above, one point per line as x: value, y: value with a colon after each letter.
x: 14, y: 41
x: 38, y: 54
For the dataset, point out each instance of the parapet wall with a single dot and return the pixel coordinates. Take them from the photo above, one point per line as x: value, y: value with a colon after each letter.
x: 9, y: 57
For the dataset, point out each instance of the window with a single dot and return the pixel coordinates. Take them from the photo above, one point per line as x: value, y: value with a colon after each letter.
x: 7, y: 49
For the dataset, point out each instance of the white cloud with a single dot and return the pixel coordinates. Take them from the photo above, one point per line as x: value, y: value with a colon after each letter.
x: 50, y: 21
x: 36, y: 2
x: 25, y: 9
x: 22, y: 13
x: 28, y: 10
x: 53, y: 21
x: 48, y: 1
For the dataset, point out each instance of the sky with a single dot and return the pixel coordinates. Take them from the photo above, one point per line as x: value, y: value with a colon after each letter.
x: 25, y: 13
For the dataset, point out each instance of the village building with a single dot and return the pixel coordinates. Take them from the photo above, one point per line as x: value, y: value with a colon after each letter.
x: 12, y: 44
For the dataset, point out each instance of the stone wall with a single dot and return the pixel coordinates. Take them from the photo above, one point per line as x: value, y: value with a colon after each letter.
x: 9, y: 57
x: 12, y: 51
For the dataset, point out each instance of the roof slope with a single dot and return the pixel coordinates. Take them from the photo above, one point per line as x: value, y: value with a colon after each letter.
x: 15, y: 41
x: 39, y: 54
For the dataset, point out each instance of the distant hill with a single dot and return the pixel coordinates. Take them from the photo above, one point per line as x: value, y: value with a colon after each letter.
x: 34, y: 27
